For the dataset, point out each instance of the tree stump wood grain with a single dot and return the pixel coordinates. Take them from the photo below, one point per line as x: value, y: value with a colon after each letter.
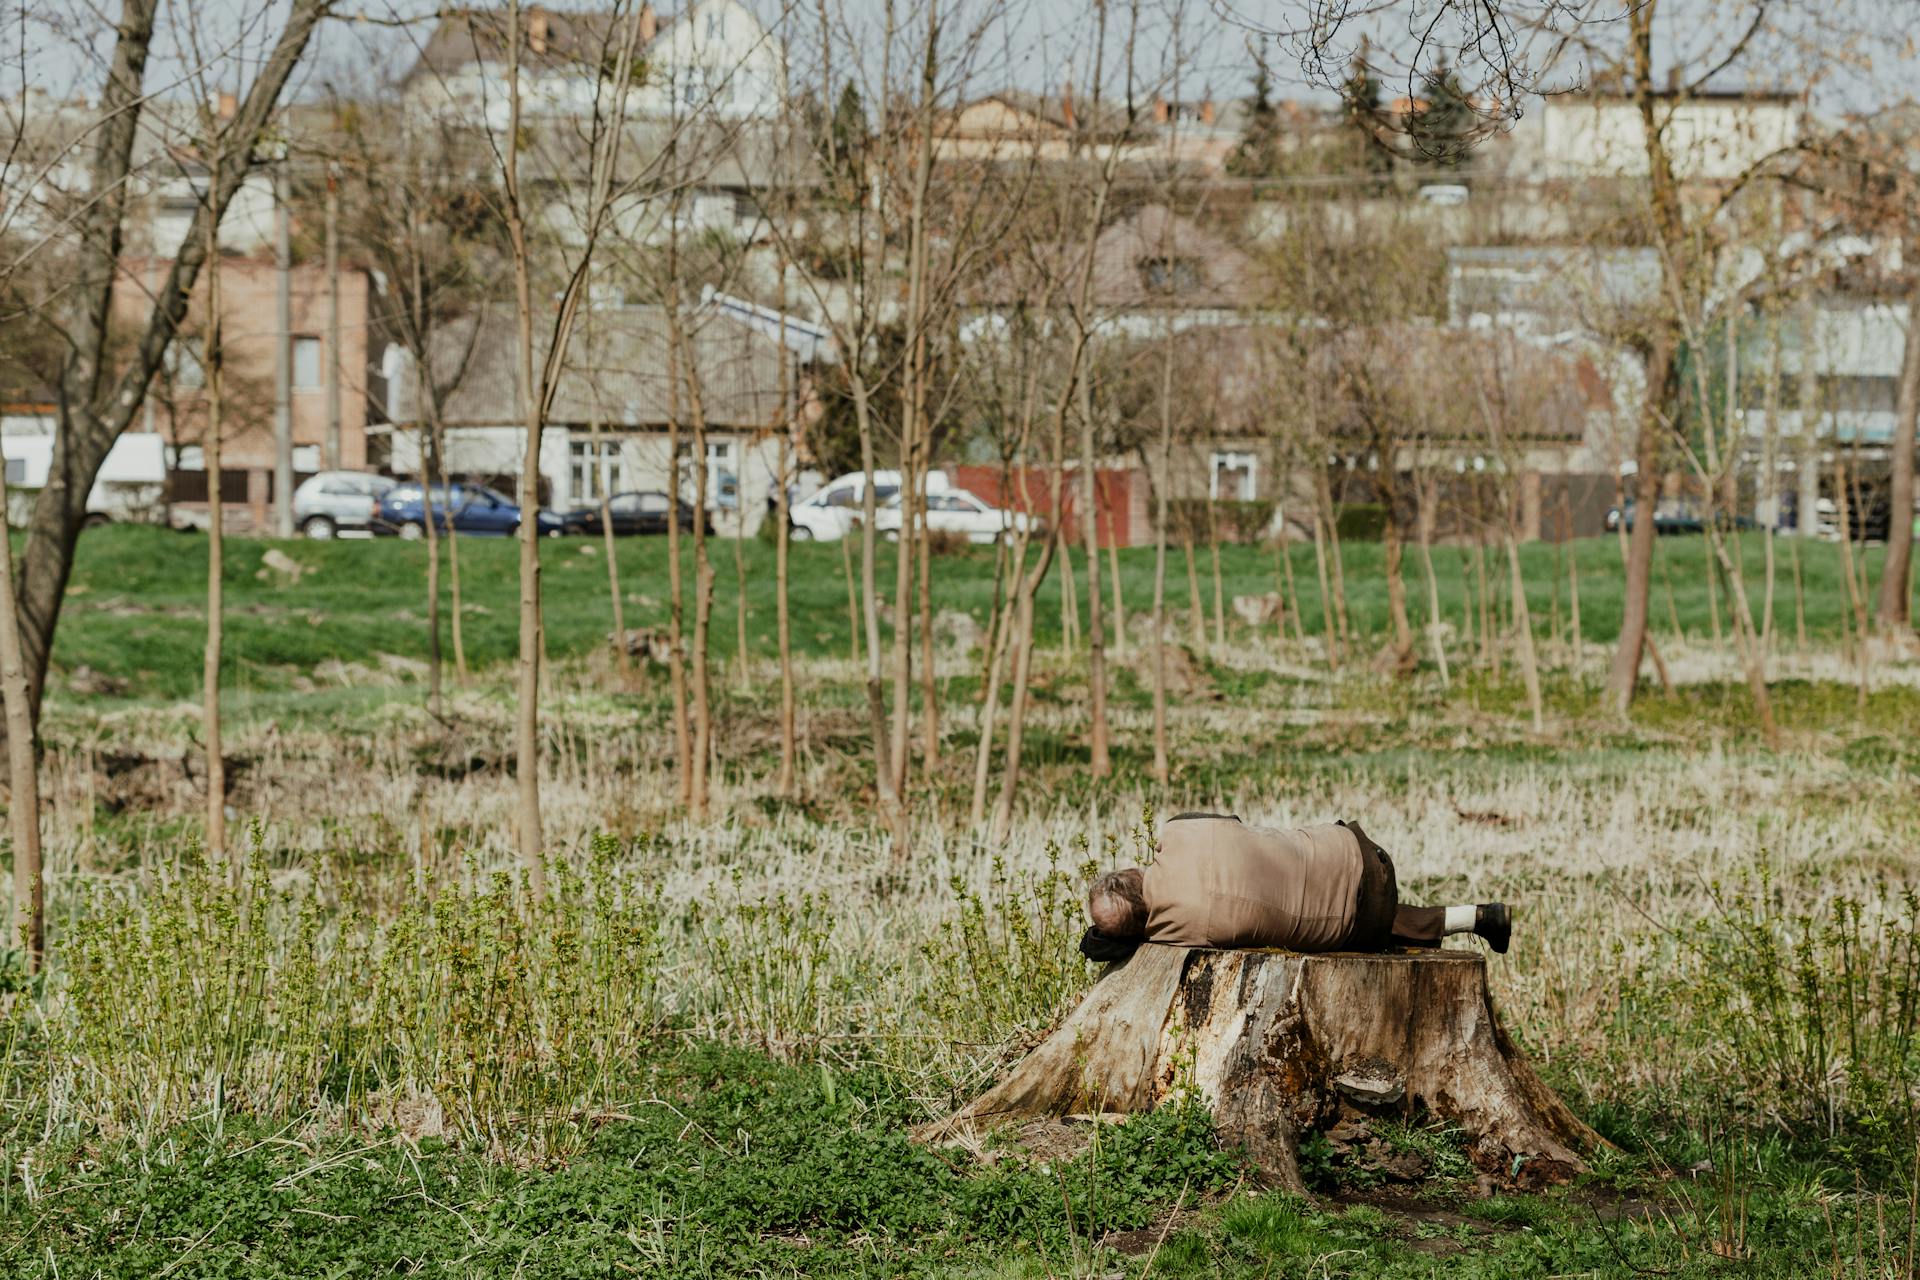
x: 1283, y: 1045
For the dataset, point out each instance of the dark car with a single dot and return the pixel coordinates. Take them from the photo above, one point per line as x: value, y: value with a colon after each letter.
x: 637, y: 513
x: 463, y: 508
x: 1679, y: 520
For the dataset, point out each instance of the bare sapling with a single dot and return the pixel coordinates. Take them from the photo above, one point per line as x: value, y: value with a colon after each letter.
x: 216, y: 768
x: 23, y: 768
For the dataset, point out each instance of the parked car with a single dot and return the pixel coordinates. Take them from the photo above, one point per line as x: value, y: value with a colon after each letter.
x: 961, y: 512
x: 463, y: 508
x: 637, y: 513
x: 1677, y: 519
x: 830, y: 513
x: 335, y: 504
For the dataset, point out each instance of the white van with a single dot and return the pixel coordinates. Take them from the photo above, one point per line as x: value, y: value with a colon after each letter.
x: 831, y: 512
x: 132, y: 483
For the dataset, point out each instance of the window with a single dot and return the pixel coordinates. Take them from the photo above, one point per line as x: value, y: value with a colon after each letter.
x: 1170, y: 275
x: 716, y: 24
x: 1233, y: 476
x: 596, y: 469
x: 744, y: 209
x: 841, y: 497
x: 306, y: 362
x: 16, y: 470
x: 651, y: 503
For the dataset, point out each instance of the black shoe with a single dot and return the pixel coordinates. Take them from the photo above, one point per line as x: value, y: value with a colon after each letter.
x: 1494, y: 922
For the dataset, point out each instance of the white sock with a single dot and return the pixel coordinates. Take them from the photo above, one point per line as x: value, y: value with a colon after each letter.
x: 1461, y: 919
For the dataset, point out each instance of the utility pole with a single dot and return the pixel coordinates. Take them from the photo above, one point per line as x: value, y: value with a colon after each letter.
x: 333, y: 317
x: 282, y: 363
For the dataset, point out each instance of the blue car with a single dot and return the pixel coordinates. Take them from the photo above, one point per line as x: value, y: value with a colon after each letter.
x: 463, y: 508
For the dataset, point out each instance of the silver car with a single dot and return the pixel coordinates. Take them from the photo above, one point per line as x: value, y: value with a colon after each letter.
x: 334, y: 504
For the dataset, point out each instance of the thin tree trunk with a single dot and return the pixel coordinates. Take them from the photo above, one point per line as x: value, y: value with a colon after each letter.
x: 454, y: 606
x: 1219, y: 588
x: 1119, y: 594
x: 611, y: 546
x: 1856, y: 597
x: 1291, y: 600
x: 1162, y: 764
x: 676, y: 605
x: 853, y: 600
x: 1771, y: 466
x: 929, y: 683
x: 23, y: 766
x: 1100, y: 764
x: 1196, y: 613
x: 429, y: 453
x: 1573, y: 595
x: 1069, y: 604
x: 703, y: 739
x: 1624, y: 677
x: 216, y: 557
x: 1892, y: 611
x: 1523, y: 635
x: 1336, y: 564
x: 533, y: 418
x: 783, y: 619
x: 1022, y: 675
x: 742, y: 656
x: 1713, y: 603
x: 891, y: 801
x: 1433, y: 603
x: 1002, y: 642
x: 1329, y: 633
x: 1392, y: 554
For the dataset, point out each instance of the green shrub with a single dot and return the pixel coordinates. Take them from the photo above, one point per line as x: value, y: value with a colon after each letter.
x: 1234, y: 521
x: 1361, y: 522
x: 1811, y: 1017
x: 216, y: 991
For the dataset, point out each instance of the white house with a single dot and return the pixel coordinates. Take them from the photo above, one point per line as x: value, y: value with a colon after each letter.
x: 608, y: 427
x: 1712, y: 136
x: 713, y: 59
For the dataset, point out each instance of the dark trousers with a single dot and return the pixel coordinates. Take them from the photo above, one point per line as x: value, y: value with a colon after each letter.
x: 1379, y: 920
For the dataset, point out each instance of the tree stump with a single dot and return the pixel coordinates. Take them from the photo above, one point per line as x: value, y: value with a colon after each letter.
x: 1282, y: 1045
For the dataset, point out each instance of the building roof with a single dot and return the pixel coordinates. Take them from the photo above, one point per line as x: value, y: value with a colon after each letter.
x: 465, y: 36
x: 1429, y: 383
x: 616, y: 372
x: 1148, y: 259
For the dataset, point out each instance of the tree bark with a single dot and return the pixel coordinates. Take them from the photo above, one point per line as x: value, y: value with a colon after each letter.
x: 1101, y: 763
x: 23, y: 768
x: 1523, y: 636
x: 532, y: 413
x: 1281, y: 1046
x: 1623, y: 680
x: 216, y: 799
x: 783, y: 619
x: 1892, y: 609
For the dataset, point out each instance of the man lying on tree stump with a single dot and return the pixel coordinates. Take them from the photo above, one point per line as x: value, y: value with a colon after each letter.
x: 1220, y: 883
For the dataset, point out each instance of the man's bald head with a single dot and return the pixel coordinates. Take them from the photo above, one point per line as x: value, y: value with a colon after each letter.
x: 1118, y: 903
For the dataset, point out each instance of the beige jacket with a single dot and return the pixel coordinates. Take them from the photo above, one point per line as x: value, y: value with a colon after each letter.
x: 1220, y: 883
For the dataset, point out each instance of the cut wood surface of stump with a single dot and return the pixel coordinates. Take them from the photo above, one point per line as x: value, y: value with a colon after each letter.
x: 1282, y: 1045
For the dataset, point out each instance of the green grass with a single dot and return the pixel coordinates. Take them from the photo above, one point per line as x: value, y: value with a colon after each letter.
x: 736, y: 1165
x: 135, y: 610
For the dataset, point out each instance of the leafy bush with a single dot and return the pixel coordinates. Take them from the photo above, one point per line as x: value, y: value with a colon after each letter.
x: 1361, y: 522
x: 1812, y: 1017
x: 215, y: 989
x: 1009, y: 959
x: 1235, y: 521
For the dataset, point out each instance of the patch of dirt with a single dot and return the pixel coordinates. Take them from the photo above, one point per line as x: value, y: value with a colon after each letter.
x: 1141, y: 1241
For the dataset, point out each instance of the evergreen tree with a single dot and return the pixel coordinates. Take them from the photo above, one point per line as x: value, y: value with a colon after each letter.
x: 1258, y: 154
x: 1443, y: 127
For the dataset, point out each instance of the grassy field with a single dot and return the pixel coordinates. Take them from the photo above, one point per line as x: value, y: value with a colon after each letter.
x: 134, y: 612
x: 365, y: 1052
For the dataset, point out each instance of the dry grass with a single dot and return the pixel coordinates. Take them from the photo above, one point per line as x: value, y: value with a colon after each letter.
x: 785, y: 924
